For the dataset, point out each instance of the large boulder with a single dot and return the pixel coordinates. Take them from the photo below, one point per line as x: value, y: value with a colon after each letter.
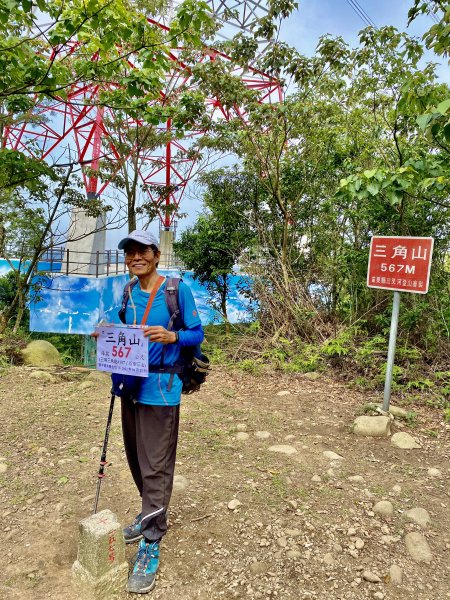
x: 40, y: 353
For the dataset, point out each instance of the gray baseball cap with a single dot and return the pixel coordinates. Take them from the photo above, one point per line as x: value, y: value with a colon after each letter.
x: 142, y: 237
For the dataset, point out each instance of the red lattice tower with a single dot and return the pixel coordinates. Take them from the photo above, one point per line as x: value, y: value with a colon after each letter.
x: 76, y: 123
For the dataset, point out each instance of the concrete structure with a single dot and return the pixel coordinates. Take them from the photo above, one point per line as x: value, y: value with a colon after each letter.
x: 166, y: 237
x: 100, y: 571
x: 89, y: 237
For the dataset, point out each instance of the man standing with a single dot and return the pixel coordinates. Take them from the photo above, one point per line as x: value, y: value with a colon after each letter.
x: 150, y: 423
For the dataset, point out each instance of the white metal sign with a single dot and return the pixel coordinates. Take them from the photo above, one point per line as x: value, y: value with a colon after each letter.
x: 122, y: 349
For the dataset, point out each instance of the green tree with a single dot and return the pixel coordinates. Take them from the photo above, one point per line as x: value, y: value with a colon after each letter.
x: 29, y: 218
x: 46, y: 48
x: 403, y: 187
x: 213, y: 246
x: 341, y: 158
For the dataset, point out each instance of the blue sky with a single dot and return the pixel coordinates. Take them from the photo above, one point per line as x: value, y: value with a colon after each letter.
x: 303, y: 29
x: 315, y: 18
x: 336, y: 17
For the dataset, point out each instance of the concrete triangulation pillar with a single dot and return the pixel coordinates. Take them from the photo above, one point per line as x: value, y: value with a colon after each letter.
x: 167, y: 259
x: 100, y: 571
x: 82, y: 253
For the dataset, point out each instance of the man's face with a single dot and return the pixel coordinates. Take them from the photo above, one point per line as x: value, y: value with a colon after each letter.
x: 140, y: 259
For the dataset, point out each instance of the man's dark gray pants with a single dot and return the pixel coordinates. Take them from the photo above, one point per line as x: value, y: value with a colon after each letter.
x: 150, y: 435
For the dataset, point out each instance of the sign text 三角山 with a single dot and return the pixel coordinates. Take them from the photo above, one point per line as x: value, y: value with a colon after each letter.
x: 401, y: 264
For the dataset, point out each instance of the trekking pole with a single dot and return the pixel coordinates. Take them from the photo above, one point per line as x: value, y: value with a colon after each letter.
x: 101, y: 473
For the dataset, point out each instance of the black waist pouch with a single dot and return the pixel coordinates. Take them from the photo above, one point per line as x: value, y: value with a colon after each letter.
x: 126, y: 386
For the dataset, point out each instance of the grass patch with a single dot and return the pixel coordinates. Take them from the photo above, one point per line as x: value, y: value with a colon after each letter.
x: 431, y: 433
x: 278, y: 482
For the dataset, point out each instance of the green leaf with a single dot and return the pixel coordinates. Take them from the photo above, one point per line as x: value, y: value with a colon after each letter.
x: 423, y: 120
x: 394, y: 197
x: 443, y: 107
x: 373, y: 188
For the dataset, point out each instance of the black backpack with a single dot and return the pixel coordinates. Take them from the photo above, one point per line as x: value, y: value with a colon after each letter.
x: 192, y: 366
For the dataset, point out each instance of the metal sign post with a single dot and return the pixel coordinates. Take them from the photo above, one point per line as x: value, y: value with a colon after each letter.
x: 400, y: 264
x: 391, y: 351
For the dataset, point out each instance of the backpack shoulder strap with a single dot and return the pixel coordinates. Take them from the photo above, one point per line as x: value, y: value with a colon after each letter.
x: 171, y: 297
x: 126, y: 294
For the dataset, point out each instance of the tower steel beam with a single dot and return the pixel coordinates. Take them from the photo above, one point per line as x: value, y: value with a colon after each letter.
x: 78, y: 124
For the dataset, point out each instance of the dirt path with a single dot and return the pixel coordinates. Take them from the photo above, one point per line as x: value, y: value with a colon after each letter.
x: 303, y: 529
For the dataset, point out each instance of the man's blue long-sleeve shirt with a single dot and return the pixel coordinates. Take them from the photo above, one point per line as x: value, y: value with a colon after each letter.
x: 155, y: 389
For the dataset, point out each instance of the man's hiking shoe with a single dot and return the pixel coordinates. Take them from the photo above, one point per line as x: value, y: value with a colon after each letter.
x: 132, y: 561
x: 143, y: 577
x: 132, y: 533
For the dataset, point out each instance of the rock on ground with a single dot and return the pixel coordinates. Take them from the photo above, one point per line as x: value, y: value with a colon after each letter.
x: 233, y: 504
x: 418, y: 548
x: 404, y: 440
x: 283, y: 449
x: 432, y: 472
x: 369, y: 576
x: 42, y: 376
x: 332, y: 455
x: 40, y: 353
x: 419, y: 516
x: 242, y: 436
x: 262, y: 435
x: 396, y: 575
x: 180, y: 484
x: 398, y: 412
x: 328, y: 559
x: 372, y: 426
x: 384, y: 508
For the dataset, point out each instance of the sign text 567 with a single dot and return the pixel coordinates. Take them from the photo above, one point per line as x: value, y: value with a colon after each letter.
x: 121, y: 351
x: 393, y: 268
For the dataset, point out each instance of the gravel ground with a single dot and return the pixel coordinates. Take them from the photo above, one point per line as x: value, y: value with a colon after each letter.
x: 258, y: 511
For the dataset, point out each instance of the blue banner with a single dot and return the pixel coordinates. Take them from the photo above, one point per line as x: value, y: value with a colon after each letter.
x: 74, y: 304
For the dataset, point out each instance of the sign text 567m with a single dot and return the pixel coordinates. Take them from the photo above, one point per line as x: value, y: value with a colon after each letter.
x: 400, y: 263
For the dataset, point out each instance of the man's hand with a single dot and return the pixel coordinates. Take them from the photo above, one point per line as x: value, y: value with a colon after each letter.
x: 95, y: 334
x: 157, y: 333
